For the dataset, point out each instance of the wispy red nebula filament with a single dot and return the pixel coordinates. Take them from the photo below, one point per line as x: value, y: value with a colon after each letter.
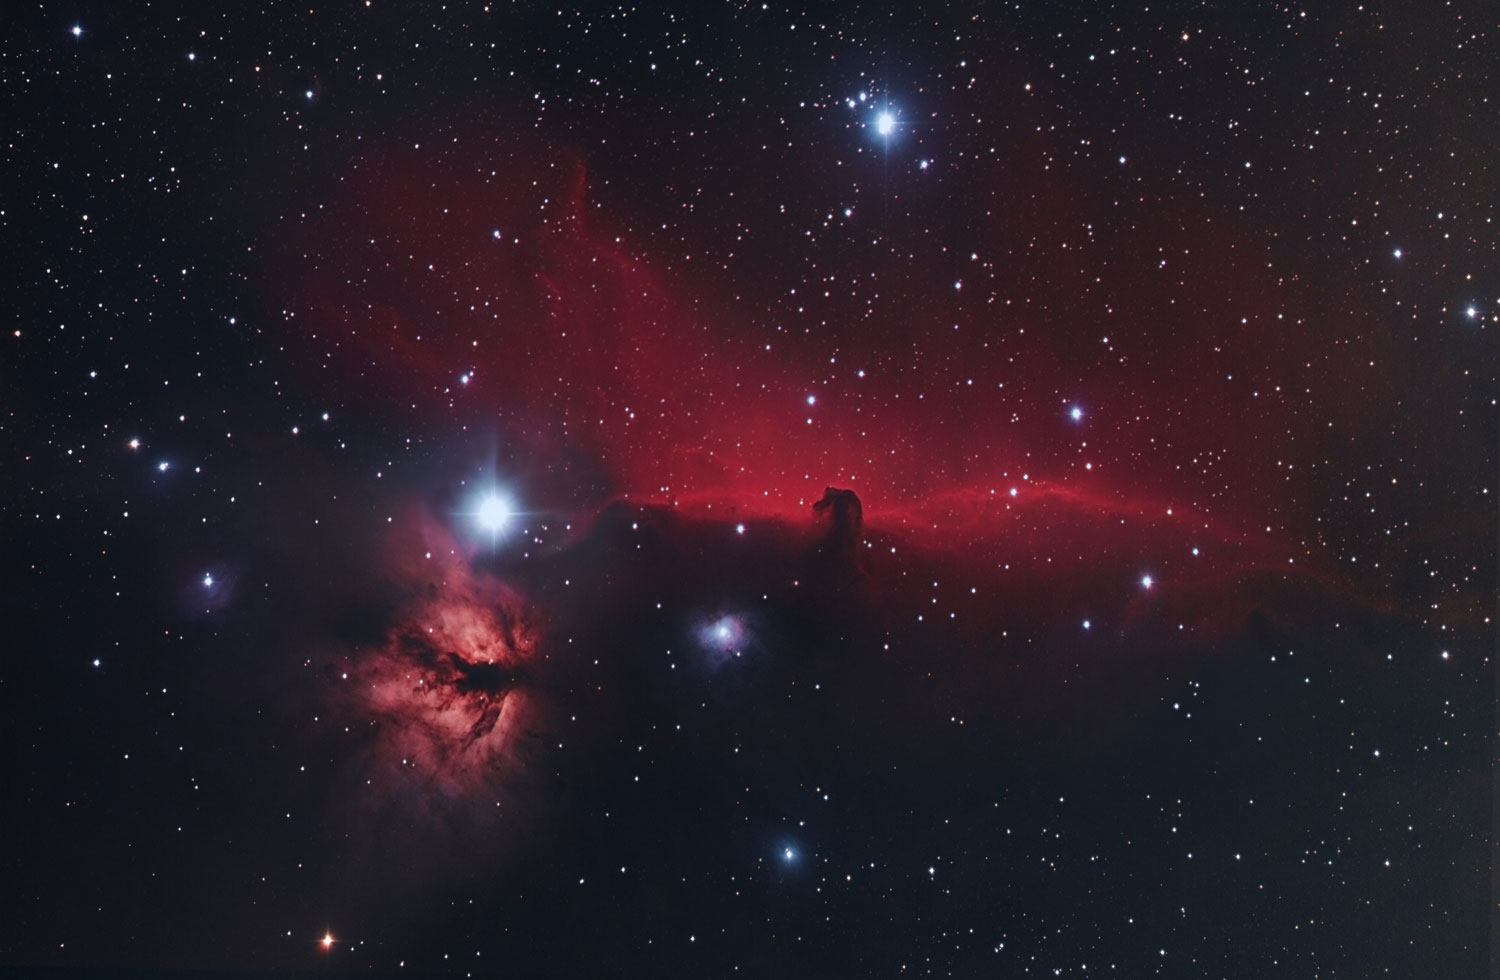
x: 444, y: 695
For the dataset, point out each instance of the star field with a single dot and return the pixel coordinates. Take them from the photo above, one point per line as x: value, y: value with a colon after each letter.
x: 733, y: 490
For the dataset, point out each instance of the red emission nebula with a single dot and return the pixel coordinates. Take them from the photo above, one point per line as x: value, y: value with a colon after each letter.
x: 481, y: 282
x: 445, y: 699
x: 476, y: 283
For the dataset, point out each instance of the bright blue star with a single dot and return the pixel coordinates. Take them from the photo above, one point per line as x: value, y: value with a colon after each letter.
x: 1075, y: 413
x: 885, y: 123
x: 494, y: 512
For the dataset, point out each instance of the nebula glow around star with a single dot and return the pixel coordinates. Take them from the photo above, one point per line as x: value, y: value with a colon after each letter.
x: 724, y: 638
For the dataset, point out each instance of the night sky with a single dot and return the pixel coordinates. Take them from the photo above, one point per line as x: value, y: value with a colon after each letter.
x: 720, y: 489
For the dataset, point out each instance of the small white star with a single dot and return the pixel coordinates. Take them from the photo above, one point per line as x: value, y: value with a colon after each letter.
x: 1075, y: 413
x: 1145, y: 581
x: 208, y: 581
x: 1472, y: 312
x: 1397, y: 253
x: 162, y: 466
x: 77, y: 31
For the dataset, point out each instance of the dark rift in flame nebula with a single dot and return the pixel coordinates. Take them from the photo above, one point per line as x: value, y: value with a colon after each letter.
x: 443, y: 702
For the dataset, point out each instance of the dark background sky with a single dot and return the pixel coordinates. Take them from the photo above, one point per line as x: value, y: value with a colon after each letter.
x: 1149, y: 629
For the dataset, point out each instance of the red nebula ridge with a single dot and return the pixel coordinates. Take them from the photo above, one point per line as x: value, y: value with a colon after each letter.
x: 476, y: 279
